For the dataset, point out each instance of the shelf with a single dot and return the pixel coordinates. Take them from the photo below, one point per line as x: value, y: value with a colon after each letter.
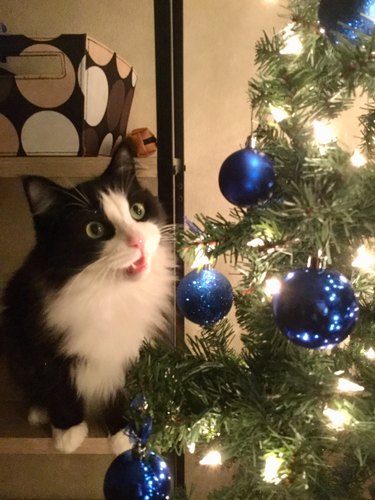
x: 44, y: 446
x: 17, y: 436
x: 53, y: 166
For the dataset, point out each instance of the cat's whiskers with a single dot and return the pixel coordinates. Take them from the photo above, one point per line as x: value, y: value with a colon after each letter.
x: 104, y: 269
x: 79, y: 202
x: 81, y: 196
x: 107, y: 265
x: 98, y: 273
x: 168, y: 233
x: 126, y: 186
x: 168, y: 228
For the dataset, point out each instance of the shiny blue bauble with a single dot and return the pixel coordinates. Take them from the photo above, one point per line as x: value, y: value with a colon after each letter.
x: 315, y: 308
x: 204, y: 297
x: 247, y: 177
x: 130, y: 477
x: 347, y: 17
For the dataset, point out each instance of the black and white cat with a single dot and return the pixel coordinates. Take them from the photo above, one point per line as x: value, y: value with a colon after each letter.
x: 98, y: 281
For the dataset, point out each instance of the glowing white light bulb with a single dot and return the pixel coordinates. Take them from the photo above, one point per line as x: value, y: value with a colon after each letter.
x: 200, y: 257
x: 358, y: 159
x: 323, y: 132
x: 343, y: 344
x: 293, y: 44
x: 272, y: 287
x: 337, y: 419
x: 364, y: 259
x: 345, y: 385
x: 213, y: 458
x: 191, y: 447
x: 271, y: 469
x: 256, y: 242
x: 253, y: 142
x: 370, y: 354
x: 279, y: 114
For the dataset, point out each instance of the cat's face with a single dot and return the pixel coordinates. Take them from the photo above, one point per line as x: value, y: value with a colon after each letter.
x: 135, y: 232
x: 109, y: 225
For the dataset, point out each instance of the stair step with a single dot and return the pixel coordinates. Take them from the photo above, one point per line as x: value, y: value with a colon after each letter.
x: 44, y: 445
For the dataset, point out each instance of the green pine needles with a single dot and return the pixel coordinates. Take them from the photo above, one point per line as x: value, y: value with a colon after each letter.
x: 274, y: 409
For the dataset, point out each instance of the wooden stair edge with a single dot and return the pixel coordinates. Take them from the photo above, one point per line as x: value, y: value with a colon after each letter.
x: 56, y: 166
x: 17, y: 436
x: 44, y: 445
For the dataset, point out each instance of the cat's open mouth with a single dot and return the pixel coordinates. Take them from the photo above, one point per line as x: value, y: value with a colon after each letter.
x: 137, y: 267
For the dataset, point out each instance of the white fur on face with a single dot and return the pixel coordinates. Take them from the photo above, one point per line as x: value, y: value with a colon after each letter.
x: 103, y: 314
x: 119, y: 250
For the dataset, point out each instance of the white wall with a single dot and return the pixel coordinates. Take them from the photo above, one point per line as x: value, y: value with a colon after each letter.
x: 220, y: 38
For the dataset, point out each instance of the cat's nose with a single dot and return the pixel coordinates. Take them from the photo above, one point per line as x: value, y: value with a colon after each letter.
x: 136, y: 242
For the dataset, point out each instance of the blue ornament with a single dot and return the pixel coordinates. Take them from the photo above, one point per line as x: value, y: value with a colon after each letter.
x: 315, y: 307
x: 247, y: 178
x: 133, y: 477
x: 205, y: 296
x: 347, y: 17
x: 139, y: 436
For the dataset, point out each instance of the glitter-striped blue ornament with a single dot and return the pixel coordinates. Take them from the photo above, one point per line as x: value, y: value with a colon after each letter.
x: 347, y: 17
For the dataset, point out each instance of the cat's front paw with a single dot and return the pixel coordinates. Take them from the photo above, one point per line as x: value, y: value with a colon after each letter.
x: 119, y: 443
x: 68, y: 440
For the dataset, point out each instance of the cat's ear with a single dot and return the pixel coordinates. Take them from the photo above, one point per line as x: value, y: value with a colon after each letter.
x: 41, y: 193
x: 122, y: 161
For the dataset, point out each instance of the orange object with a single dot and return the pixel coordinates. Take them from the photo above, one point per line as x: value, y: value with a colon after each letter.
x: 142, y: 142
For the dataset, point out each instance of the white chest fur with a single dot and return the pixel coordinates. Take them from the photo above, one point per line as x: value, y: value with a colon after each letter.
x: 103, y: 322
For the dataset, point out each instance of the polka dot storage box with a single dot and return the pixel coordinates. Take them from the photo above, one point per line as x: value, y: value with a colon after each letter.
x: 66, y: 96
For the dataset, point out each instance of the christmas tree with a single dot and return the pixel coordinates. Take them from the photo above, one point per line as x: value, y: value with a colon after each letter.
x: 295, y: 408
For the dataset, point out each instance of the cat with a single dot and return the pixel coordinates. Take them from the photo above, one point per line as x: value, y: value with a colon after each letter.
x: 97, y: 283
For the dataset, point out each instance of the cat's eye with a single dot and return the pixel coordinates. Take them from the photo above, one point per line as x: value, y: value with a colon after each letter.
x: 95, y: 230
x: 137, y: 211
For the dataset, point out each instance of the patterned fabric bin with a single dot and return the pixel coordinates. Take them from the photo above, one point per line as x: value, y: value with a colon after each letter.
x: 66, y: 96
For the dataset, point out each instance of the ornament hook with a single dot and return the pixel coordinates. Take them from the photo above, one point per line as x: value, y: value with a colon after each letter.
x: 317, y: 261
